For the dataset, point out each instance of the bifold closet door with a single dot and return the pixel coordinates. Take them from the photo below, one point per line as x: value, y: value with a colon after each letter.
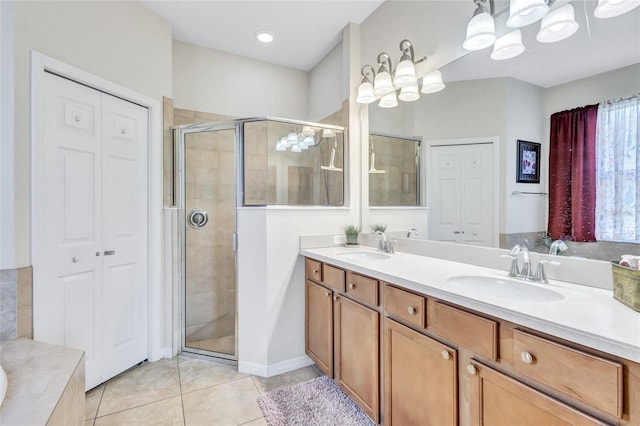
x: 90, y: 227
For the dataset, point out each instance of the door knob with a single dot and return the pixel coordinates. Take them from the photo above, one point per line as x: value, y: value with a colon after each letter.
x: 109, y: 252
x: 75, y: 259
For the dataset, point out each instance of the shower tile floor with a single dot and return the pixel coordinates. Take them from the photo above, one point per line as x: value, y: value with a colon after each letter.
x: 184, y: 391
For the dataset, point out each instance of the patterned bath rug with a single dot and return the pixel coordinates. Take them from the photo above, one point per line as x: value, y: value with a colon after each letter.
x: 317, y: 402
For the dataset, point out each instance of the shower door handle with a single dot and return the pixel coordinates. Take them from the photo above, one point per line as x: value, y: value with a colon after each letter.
x: 234, y: 242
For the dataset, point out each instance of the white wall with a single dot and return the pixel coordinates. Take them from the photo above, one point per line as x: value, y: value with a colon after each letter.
x: 222, y: 83
x: 119, y: 41
x: 7, y: 235
x: 326, y: 91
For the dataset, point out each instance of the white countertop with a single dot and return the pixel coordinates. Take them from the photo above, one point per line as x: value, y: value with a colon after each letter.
x: 586, y: 315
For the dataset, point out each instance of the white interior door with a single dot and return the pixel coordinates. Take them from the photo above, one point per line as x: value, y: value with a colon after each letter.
x: 90, y: 198
x: 461, y: 194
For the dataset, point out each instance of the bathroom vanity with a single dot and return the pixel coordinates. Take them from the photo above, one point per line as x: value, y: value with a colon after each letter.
x: 411, y: 346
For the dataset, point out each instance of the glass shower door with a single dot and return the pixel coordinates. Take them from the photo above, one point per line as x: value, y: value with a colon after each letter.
x: 209, y: 293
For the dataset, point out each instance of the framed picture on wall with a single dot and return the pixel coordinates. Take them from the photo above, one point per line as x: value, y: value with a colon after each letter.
x: 528, y: 162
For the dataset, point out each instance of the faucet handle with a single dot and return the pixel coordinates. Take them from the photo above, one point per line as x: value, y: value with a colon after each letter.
x: 513, y: 270
x: 540, y: 275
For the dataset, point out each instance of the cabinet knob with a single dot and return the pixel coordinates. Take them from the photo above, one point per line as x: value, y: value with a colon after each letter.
x: 75, y: 259
x: 352, y: 286
x: 335, y: 297
x: 471, y: 369
x: 526, y: 357
x: 328, y: 294
x: 411, y: 310
x: 446, y: 355
x: 315, y: 271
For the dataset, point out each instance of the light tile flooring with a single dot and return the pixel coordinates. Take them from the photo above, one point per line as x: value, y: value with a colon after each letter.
x: 184, y: 391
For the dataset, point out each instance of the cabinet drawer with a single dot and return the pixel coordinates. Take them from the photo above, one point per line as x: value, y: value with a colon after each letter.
x: 402, y: 304
x: 466, y: 329
x: 582, y: 376
x: 312, y: 269
x: 333, y: 277
x: 362, y: 288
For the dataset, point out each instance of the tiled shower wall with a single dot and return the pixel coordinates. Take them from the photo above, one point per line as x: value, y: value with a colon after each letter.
x: 16, y: 303
x: 397, y: 158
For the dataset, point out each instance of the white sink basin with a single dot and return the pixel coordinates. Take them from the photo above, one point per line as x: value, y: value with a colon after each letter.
x: 364, y: 255
x: 505, y: 288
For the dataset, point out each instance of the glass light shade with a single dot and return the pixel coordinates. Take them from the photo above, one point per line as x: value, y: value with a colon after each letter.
x: 409, y: 93
x: 382, y: 83
x: 525, y: 12
x: 432, y: 82
x: 303, y: 145
x: 328, y: 133
x: 308, y: 141
x: 281, y: 146
x: 292, y: 139
x: 405, y: 74
x: 388, y: 101
x: 296, y: 148
x: 611, y: 8
x: 365, y: 93
x: 508, y: 46
x: 558, y: 25
x: 307, y: 131
x: 481, y: 32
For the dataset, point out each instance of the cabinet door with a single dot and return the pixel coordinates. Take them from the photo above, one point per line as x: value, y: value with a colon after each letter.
x: 500, y: 400
x: 319, y: 326
x: 357, y: 344
x: 420, y: 378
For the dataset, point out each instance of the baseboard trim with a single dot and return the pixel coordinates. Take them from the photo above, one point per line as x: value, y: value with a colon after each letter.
x: 270, y: 370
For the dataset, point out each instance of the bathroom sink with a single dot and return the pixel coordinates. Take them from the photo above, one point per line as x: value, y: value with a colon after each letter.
x: 364, y: 255
x: 505, y: 288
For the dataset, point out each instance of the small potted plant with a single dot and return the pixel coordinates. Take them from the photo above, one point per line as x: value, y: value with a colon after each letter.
x: 352, y: 232
x: 376, y: 228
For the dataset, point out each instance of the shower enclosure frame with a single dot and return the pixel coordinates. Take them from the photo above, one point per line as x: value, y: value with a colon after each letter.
x: 178, y: 202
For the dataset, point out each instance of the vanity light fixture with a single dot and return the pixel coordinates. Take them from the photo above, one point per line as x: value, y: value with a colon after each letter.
x: 508, y: 46
x: 612, y: 8
x: 432, y: 82
x: 404, y: 79
x: 558, y: 25
x: 405, y: 74
x: 481, y: 31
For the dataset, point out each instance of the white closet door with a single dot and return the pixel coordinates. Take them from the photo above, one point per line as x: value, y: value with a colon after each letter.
x: 124, y: 234
x: 90, y: 200
x: 67, y: 223
x: 461, y: 194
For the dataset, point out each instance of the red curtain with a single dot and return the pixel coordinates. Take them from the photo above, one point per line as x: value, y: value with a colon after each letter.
x: 572, y: 174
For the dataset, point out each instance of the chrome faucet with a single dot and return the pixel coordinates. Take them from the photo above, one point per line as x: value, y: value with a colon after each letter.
x: 557, y: 247
x: 413, y: 231
x: 516, y: 271
x: 384, y: 245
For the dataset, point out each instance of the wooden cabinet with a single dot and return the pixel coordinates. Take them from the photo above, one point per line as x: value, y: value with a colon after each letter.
x: 499, y: 400
x: 420, y: 378
x: 357, y: 348
x: 319, y: 326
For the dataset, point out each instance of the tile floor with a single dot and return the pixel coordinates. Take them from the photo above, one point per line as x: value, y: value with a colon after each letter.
x: 184, y: 391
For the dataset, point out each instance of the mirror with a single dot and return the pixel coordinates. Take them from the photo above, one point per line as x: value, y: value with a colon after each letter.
x: 513, y: 100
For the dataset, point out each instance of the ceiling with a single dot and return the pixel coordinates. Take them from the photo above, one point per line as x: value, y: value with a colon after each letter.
x: 307, y: 30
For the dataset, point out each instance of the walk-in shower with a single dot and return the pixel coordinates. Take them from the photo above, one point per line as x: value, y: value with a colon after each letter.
x: 220, y: 166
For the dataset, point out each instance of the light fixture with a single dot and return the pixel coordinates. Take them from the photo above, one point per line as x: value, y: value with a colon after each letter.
x: 382, y: 82
x: 508, y: 46
x: 558, y: 25
x: 405, y: 74
x: 264, y: 36
x: 525, y: 12
x: 481, y: 31
x: 388, y: 101
x: 612, y: 8
x: 432, y: 82
x: 409, y: 93
x: 365, y: 90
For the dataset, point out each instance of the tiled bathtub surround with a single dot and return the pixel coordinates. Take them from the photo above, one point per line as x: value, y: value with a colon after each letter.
x: 16, y: 303
x: 46, y: 384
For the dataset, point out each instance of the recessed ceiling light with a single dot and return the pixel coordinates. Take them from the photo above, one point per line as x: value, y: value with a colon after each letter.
x: 264, y: 36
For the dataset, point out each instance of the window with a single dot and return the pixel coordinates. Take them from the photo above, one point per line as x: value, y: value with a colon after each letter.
x: 618, y: 170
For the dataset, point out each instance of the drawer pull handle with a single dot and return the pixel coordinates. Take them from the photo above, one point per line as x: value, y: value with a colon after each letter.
x: 352, y: 286
x: 471, y: 369
x: 446, y: 355
x: 411, y: 310
x: 526, y: 357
